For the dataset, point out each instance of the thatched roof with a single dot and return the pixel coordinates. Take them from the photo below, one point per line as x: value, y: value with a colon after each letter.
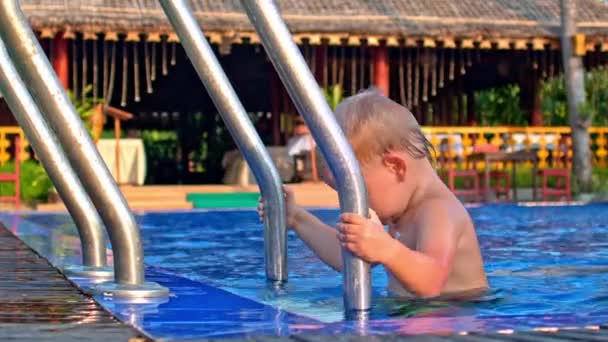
x: 419, y: 18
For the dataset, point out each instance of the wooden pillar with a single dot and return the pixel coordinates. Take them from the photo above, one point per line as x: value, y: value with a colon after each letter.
x: 286, y: 108
x: 449, y: 108
x: 536, y: 114
x: 436, y: 105
x: 471, y: 117
x: 424, y: 108
x: 61, y: 60
x: 529, y: 85
x: 275, y: 106
x: 461, y: 109
x: 443, y: 110
x: 321, y: 73
x: 381, y: 69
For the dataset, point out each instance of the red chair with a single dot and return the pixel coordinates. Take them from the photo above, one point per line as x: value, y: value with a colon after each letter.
x: 500, y: 180
x: 562, y: 183
x: 13, y: 177
x: 500, y: 183
x: 559, y: 172
x: 450, y: 175
x: 470, y: 179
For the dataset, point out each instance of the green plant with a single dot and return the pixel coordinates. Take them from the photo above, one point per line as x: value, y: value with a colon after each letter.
x: 334, y: 95
x: 160, y: 144
x: 35, y: 184
x: 85, y: 105
x: 111, y: 134
x: 555, y: 102
x: 161, y: 147
x: 523, y: 179
x: 595, y: 106
x: 600, y: 181
x: 500, y: 106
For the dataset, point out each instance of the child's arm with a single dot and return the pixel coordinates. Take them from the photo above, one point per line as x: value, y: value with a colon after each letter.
x: 319, y: 237
x: 423, y: 272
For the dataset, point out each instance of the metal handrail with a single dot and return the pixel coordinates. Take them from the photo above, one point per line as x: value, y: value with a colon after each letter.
x: 242, y: 130
x: 36, y: 71
x: 311, y: 104
x: 49, y: 152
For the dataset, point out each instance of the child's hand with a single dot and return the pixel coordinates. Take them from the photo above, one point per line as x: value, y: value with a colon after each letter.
x: 365, y: 238
x: 290, y: 206
x: 374, y: 217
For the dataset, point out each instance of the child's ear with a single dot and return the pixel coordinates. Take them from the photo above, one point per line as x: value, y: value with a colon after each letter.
x: 396, y: 164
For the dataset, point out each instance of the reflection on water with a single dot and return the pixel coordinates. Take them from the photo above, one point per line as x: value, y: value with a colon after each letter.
x: 462, y: 304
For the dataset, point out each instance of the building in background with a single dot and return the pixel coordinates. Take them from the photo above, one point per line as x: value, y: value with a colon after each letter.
x: 431, y: 56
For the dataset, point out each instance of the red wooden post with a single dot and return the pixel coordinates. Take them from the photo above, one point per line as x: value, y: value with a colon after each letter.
x: 381, y: 73
x: 529, y: 85
x: 536, y: 114
x: 14, y: 177
x: 17, y: 173
x: 61, y: 60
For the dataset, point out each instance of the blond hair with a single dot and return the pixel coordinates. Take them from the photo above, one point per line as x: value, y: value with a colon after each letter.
x: 374, y: 124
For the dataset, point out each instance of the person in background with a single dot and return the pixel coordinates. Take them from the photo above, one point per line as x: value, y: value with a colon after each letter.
x: 301, y: 147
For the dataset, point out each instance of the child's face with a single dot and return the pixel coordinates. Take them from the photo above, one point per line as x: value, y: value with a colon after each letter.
x: 384, y: 180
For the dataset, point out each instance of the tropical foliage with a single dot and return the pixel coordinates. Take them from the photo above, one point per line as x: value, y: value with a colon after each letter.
x: 334, y: 95
x: 501, y: 106
x: 35, y: 182
x: 555, y: 105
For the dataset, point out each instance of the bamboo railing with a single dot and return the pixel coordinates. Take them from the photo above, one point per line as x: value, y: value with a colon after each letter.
x: 455, y: 141
x: 459, y: 142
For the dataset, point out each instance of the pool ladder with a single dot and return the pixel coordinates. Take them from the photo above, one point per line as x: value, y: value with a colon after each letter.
x: 77, y: 170
x: 81, y: 175
x: 310, y: 102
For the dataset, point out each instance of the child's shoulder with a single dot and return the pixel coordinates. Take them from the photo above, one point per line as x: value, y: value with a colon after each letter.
x: 440, y: 212
x: 437, y: 206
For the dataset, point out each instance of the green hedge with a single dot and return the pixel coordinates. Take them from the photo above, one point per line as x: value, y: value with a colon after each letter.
x: 501, y: 106
x: 523, y: 178
x: 35, y: 184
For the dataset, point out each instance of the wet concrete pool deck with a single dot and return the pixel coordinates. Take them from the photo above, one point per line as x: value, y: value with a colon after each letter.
x: 38, y: 303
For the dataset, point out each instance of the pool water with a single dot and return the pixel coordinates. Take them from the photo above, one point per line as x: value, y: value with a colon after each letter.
x: 545, y: 265
x: 539, y: 260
